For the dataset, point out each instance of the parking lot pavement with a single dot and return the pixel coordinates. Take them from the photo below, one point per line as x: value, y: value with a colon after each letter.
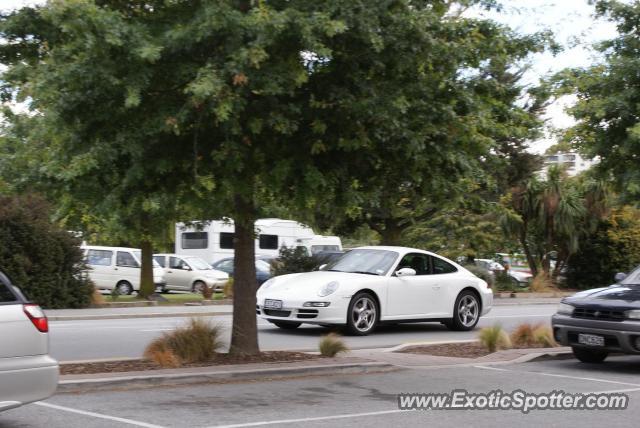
x: 345, y: 401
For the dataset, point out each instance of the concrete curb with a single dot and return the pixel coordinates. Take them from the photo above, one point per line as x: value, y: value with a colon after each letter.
x: 130, y: 316
x: 522, y: 359
x: 103, y: 383
x: 404, y: 346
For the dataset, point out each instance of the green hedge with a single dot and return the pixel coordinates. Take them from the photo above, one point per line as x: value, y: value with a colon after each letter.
x: 39, y: 257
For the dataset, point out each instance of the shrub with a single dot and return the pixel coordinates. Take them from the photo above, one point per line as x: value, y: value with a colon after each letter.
x: 482, y: 274
x: 613, y: 247
x: 97, y: 298
x: 159, y: 352
x: 494, y: 338
x: 523, y: 335
x: 115, y: 294
x: 332, y: 345
x: 40, y: 257
x: 197, y: 342
x: 505, y: 283
x: 228, y: 289
x: 541, y: 283
x: 207, y: 292
x: 293, y: 260
x: 543, y: 335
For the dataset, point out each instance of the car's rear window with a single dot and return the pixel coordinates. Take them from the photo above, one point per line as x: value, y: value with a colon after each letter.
x: 6, y: 296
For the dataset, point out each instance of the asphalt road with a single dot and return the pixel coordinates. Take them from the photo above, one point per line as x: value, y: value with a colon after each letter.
x: 346, y: 401
x: 96, y: 339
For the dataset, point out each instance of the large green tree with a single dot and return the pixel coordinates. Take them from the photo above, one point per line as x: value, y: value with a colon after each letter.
x: 227, y: 104
x: 607, y: 107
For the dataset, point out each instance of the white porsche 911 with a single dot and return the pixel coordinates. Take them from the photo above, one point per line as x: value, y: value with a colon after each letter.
x: 372, y: 285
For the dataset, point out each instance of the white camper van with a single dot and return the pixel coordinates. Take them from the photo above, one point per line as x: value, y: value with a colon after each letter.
x: 118, y: 267
x: 214, y: 239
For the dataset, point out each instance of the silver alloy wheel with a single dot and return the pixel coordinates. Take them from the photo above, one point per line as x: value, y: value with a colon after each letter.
x: 364, y: 314
x: 468, y: 310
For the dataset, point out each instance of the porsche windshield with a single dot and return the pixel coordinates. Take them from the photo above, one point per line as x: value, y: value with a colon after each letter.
x: 633, y: 278
x: 370, y: 262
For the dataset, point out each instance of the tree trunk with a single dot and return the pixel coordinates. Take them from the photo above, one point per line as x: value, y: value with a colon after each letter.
x: 527, y: 251
x: 244, y: 333
x: 391, y: 233
x: 147, y: 286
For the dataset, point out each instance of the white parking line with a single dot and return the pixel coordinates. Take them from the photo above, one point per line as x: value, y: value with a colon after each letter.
x: 320, y: 418
x: 590, y: 379
x: 98, y: 415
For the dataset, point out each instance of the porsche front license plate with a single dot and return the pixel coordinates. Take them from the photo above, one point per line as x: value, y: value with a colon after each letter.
x: 590, y: 339
x: 272, y: 304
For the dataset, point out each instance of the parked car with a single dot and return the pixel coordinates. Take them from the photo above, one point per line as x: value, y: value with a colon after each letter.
x: 490, y: 265
x: 603, y: 320
x: 263, y: 268
x: 372, y: 285
x: 189, y: 273
x: 118, y: 267
x: 27, y: 372
x: 520, y: 278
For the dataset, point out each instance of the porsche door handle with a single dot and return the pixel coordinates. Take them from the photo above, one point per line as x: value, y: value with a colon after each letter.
x: 436, y: 286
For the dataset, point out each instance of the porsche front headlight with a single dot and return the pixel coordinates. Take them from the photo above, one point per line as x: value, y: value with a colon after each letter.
x: 327, y: 289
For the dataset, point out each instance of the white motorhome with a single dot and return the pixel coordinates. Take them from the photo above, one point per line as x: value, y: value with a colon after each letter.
x: 213, y: 240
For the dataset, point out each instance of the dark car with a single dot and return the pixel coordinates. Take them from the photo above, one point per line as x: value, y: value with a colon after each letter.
x: 603, y: 320
x: 263, y: 269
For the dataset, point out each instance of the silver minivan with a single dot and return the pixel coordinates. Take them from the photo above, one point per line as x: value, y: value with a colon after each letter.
x: 27, y: 372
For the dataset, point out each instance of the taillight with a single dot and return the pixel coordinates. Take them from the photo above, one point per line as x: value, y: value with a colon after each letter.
x: 37, y: 317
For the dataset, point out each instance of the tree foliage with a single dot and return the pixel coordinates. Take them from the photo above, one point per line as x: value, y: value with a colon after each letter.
x: 549, y: 217
x: 42, y: 259
x: 614, y: 246
x: 147, y: 107
x: 607, y: 106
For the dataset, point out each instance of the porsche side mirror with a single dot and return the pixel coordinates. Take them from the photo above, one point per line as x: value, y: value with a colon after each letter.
x: 620, y: 276
x: 406, y: 272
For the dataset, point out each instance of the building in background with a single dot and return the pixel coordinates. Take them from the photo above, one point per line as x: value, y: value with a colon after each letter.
x: 573, y: 162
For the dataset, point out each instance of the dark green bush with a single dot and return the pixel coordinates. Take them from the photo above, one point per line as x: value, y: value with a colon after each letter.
x: 293, y: 260
x: 39, y: 257
x: 613, y: 247
x: 481, y: 273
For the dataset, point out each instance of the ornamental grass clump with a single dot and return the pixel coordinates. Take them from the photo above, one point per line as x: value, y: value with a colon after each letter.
x: 543, y: 336
x: 523, y: 336
x: 332, y: 345
x: 197, y: 342
x: 494, y: 338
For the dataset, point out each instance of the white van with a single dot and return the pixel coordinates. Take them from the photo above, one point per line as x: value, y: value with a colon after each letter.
x: 118, y: 267
x: 214, y: 239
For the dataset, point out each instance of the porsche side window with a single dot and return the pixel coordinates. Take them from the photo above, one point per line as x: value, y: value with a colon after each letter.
x: 440, y: 266
x: 417, y: 262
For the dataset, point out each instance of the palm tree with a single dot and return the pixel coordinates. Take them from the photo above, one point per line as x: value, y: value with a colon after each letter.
x: 549, y: 216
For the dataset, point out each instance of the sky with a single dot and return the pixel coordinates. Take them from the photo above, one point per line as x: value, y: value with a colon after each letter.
x: 571, y: 21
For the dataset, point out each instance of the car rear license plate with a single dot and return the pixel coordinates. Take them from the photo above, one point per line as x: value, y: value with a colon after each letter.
x: 590, y: 339
x: 272, y: 304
